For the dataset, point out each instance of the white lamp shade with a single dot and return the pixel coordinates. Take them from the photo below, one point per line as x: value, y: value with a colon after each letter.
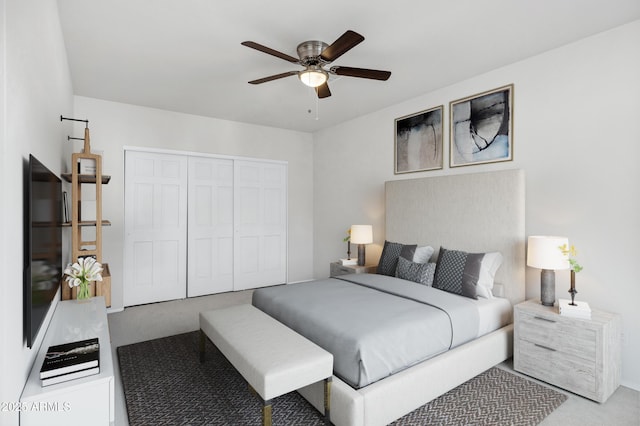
x: 361, y: 234
x: 544, y: 252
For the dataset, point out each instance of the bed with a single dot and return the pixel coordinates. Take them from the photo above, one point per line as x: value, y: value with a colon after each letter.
x: 477, y: 213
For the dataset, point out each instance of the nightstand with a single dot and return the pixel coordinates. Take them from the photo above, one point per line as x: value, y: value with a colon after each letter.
x: 582, y: 356
x: 337, y: 268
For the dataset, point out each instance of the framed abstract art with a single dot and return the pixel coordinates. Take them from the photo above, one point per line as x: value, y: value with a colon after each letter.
x: 418, y: 141
x: 482, y: 128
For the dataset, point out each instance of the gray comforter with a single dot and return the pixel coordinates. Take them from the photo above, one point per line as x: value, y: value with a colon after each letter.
x: 373, y: 325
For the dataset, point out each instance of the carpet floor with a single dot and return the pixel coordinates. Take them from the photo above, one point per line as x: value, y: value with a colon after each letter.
x: 165, y: 384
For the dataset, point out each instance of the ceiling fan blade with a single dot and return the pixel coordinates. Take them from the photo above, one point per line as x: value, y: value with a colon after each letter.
x: 323, y: 91
x: 361, y: 72
x: 270, y: 51
x: 273, y: 77
x: 343, y: 44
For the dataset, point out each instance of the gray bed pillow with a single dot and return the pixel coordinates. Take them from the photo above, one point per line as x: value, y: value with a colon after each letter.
x: 390, y: 254
x: 458, y: 272
x: 421, y: 273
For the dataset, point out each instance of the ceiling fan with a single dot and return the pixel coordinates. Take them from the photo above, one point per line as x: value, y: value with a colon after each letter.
x: 314, y: 56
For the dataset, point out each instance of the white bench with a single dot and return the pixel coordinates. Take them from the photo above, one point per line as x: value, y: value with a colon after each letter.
x: 271, y: 357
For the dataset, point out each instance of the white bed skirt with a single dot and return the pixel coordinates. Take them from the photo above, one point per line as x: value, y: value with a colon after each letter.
x: 391, y: 398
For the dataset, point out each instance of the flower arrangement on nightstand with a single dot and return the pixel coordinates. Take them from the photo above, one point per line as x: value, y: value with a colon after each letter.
x: 347, y: 240
x: 574, y: 266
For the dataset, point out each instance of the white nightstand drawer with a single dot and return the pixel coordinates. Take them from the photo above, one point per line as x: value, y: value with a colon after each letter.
x: 573, y: 337
x: 570, y: 372
x: 337, y: 269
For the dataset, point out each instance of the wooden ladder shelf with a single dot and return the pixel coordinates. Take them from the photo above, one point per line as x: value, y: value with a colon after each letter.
x: 91, y: 247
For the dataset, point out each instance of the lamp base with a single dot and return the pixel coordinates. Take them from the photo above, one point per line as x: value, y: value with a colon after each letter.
x: 360, y: 254
x: 547, y: 287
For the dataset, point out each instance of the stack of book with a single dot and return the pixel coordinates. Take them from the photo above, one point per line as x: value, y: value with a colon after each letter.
x: 579, y: 310
x: 70, y: 361
x: 349, y: 262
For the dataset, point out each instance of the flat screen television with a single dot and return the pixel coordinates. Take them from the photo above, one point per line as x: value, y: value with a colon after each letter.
x: 42, y: 245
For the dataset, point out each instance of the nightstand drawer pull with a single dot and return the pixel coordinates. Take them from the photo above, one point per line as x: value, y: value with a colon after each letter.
x: 544, y: 319
x: 545, y: 347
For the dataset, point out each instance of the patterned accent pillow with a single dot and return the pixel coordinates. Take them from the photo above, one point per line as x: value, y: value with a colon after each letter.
x: 421, y: 273
x: 458, y: 272
x: 390, y: 254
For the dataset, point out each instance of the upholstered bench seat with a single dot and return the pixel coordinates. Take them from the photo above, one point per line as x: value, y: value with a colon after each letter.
x: 271, y: 357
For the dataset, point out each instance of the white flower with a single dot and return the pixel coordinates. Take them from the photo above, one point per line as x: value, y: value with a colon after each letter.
x: 85, y: 270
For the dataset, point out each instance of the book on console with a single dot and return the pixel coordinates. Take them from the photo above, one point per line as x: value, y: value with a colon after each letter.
x: 70, y: 357
x: 70, y: 376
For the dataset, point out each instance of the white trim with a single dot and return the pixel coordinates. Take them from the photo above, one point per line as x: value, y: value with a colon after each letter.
x: 199, y: 154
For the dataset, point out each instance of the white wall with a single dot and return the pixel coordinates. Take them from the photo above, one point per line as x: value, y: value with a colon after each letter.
x: 576, y: 137
x: 115, y: 125
x: 35, y: 91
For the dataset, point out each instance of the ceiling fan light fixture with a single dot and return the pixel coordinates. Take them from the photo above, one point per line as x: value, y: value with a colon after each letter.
x: 313, y: 76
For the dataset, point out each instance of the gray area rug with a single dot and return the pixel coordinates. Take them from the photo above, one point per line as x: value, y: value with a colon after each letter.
x: 165, y: 384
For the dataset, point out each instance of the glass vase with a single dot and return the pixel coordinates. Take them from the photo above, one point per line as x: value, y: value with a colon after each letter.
x: 83, y: 291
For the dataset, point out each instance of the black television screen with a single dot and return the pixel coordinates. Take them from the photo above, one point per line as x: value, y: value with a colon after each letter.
x: 42, y: 245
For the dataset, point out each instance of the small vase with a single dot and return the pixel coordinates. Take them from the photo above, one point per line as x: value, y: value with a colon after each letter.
x: 83, y: 291
x: 572, y: 289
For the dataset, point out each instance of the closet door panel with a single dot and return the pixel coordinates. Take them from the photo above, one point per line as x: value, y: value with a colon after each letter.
x: 155, y: 227
x: 202, y: 225
x: 260, y: 225
x: 210, y: 235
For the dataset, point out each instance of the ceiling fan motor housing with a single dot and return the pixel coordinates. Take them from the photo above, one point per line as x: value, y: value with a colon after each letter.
x: 309, y: 52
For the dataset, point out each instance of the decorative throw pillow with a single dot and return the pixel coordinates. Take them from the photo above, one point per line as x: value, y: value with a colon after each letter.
x: 421, y: 273
x: 390, y: 254
x: 423, y: 254
x: 458, y: 272
x: 490, y: 264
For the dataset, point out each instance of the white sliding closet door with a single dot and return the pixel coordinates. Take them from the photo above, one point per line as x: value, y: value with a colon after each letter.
x: 260, y: 224
x: 155, y: 227
x: 210, y: 236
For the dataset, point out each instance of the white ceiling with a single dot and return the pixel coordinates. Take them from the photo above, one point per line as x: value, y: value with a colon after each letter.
x: 185, y: 55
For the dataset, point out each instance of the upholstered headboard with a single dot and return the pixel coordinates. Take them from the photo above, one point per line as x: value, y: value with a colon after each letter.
x: 479, y: 212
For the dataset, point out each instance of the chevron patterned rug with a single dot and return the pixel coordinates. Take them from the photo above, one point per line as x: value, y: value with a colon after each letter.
x: 165, y: 384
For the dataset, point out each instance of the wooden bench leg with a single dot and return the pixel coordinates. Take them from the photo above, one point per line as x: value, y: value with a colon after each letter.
x: 203, y: 340
x: 266, y: 413
x: 327, y: 400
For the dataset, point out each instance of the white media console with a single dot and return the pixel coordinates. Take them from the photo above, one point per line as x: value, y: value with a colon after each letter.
x: 88, y: 400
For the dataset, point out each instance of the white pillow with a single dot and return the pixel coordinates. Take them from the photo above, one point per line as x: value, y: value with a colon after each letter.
x: 423, y: 254
x: 488, y: 268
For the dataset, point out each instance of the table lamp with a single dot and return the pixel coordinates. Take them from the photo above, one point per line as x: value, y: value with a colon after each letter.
x: 544, y: 252
x: 361, y: 235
